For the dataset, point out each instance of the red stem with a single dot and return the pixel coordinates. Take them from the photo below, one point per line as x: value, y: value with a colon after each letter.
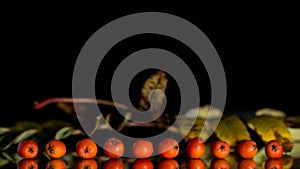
x: 39, y: 105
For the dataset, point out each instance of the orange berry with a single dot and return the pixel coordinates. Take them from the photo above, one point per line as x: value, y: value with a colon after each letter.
x: 142, y: 148
x: 274, y: 149
x: 195, y: 148
x: 247, y: 149
x: 86, y: 148
x: 27, y: 149
x: 168, y: 148
x: 113, y: 148
x: 219, y: 149
x: 55, y: 148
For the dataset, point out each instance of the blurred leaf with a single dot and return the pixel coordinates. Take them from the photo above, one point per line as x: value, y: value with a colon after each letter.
x: 127, y: 165
x: 63, y: 133
x: 66, y: 132
x: 16, y: 157
x: 287, y: 162
x: 261, y: 165
x: 24, y: 135
x: 200, y: 127
x: 156, y: 81
x: 232, y: 159
x: 3, y: 162
x: 207, y: 157
x: 197, y: 129
x: 70, y: 158
x: 66, y: 107
x: 7, y: 138
x: 25, y: 125
x: 260, y: 157
x: 272, y: 128
x: 204, y: 112
x: 52, y: 125
x: 12, y: 157
x: 8, y: 157
x: 4, y: 130
x: 270, y: 112
x: 231, y: 129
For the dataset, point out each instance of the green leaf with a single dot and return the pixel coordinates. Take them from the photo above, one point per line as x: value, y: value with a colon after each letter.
x: 127, y: 165
x: 3, y: 162
x: 7, y: 138
x: 66, y: 132
x: 24, y: 135
x: 52, y: 125
x: 232, y: 159
x: 12, y: 157
x: 63, y: 133
x: 4, y: 130
x: 8, y: 157
x: 260, y: 157
x: 25, y: 125
x: 69, y: 158
x: 232, y: 130
x: 16, y: 157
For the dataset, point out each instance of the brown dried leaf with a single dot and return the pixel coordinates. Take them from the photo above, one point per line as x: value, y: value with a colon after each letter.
x: 66, y: 107
x: 156, y: 81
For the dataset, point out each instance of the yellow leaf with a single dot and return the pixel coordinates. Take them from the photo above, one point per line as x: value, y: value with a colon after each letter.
x: 272, y: 128
x: 232, y: 130
x: 197, y: 130
x: 200, y: 127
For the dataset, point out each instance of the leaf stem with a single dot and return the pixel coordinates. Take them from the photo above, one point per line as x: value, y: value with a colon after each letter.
x: 98, y: 119
x: 125, y: 121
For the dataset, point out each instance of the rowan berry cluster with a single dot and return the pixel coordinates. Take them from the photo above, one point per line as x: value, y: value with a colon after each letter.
x: 167, y: 148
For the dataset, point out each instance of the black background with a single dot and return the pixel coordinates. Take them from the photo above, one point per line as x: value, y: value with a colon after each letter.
x: 258, y: 46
